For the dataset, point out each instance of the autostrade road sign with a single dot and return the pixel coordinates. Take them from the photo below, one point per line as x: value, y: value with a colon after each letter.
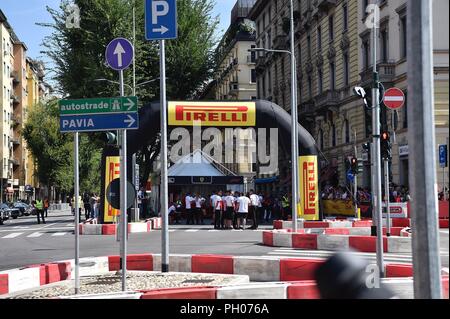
x: 99, y: 122
x: 98, y: 105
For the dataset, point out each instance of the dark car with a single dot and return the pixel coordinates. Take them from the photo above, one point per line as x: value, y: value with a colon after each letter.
x: 25, y: 209
x: 4, y: 215
x: 13, y: 212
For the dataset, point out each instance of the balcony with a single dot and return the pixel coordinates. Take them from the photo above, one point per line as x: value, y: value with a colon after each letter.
x: 325, y: 4
x: 15, y: 141
x: 15, y: 77
x: 386, y: 71
x: 280, y: 42
x: 234, y: 88
x: 251, y: 58
x: 14, y: 161
x: 15, y: 99
x: 307, y: 107
x: 15, y: 120
x: 327, y: 99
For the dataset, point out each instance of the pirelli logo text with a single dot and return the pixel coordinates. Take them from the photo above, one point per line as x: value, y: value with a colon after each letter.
x: 227, y: 114
x: 309, y: 187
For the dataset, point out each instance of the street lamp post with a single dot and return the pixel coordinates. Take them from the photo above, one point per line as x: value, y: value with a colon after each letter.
x: 294, y: 119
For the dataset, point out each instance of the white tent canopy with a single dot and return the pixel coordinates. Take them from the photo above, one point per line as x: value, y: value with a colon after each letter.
x: 197, y: 164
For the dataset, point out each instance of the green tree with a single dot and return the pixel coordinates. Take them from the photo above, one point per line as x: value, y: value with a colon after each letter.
x: 78, y: 54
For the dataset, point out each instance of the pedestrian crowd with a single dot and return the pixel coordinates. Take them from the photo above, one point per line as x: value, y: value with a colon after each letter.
x: 398, y: 194
x: 89, y: 202
x: 230, y: 209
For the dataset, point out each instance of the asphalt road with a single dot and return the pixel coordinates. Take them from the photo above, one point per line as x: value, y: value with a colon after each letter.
x: 24, y: 242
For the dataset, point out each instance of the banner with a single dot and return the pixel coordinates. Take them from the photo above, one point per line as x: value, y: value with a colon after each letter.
x: 212, y: 113
x: 112, y: 171
x: 338, y: 207
x: 309, y: 187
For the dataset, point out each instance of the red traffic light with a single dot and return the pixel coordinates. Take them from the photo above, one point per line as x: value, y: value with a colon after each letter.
x: 354, y: 160
x: 385, y: 136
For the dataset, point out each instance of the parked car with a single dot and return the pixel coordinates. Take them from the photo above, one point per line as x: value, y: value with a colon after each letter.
x: 25, y: 209
x: 4, y: 215
x: 13, y: 212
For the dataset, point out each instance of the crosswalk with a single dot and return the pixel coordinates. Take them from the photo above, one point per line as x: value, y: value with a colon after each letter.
x: 298, y: 253
x: 29, y: 233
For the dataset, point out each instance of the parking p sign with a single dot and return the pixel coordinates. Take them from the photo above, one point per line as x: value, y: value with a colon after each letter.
x: 160, y: 19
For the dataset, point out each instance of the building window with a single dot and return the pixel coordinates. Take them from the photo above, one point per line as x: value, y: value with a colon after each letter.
x: 310, y: 86
x: 308, y: 41
x: 252, y: 76
x: 333, y: 135
x: 346, y: 132
x: 404, y: 33
x: 320, y: 81
x: 345, y: 17
x: 405, y: 111
x: 366, y: 53
x: 321, y: 139
x: 384, y: 45
x: 332, y: 77
x: 330, y: 28
x: 319, y: 38
x: 346, y: 70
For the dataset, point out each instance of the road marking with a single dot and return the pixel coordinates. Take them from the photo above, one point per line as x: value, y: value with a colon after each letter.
x: 35, y: 234
x: 22, y: 227
x: 12, y: 235
x: 69, y: 225
x: 59, y: 234
x: 192, y: 230
x: 212, y: 230
x: 172, y: 230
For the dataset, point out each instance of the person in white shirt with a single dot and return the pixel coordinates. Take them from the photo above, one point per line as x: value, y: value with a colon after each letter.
x: 198, y: 208
x: 189, y: 212
x: 171, y: 211
x: 243, y: 203
x: 228, y: 202
x: 253, y: 209
x: 216, y: 204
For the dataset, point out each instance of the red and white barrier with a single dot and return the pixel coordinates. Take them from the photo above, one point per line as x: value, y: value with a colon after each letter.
x: 110, y: 229
x: 392, y: 244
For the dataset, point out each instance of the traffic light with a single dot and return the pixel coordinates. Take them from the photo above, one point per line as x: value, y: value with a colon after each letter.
x: 112, y: 138
x: 356, y: 165
x: 386, y: 145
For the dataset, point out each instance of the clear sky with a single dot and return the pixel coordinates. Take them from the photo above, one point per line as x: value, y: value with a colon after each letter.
x: 23, y: 14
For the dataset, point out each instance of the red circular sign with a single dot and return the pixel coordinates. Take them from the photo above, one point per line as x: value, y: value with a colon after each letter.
x: 394, y: 98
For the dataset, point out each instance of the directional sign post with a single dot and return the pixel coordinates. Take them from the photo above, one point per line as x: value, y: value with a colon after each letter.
x: 119, y: 56
x: 161, y: 24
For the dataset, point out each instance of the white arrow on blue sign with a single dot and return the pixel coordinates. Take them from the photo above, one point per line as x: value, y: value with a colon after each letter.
x: 99, y: 122
x: 160, y: 19
x: 119, y: 54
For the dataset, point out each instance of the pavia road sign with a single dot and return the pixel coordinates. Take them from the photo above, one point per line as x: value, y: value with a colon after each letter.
x: 394, y: 98
x: 98, y: 106
x: 119, y: 54
x: 99, y: 122
x: 160, y: 19
x: 443, y: 155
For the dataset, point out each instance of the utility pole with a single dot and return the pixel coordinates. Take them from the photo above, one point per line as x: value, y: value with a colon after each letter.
x: 376, y: 158
x: 295, y: 181
x: 421, y: 137
x: 355, y: 191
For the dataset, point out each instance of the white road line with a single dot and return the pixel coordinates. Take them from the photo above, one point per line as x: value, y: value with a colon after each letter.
x: 172, y: 230
x: 69, y: 225
x: 35, y: 234
x: 59, y: 234
x: 191, y: 230
x: 12, y: 235
x: 22, y: 227
x: 212, y: 230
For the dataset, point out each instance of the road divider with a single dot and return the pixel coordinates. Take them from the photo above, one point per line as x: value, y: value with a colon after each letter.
x: 110, y: 229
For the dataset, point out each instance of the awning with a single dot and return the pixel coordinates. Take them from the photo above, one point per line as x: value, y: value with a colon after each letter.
x: 266, y: 180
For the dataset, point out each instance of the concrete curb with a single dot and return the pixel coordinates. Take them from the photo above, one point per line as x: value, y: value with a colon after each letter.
x: 284, y: 278
x: 110, y: 229
x: 277, y: 238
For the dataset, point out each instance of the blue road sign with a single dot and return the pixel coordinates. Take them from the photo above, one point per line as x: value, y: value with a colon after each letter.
x: 119, y: 54
x: 99, y: 122
x: 160, y: 19
x: 350, y: 176
x: 443, y: 155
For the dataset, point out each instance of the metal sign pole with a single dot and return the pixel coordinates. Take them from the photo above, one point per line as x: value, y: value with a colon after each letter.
x: 123, y: 195
x: 421, y: 136
x: 356, y: 182
x: 386, y: 192
x: 77, y: 216
x: 376, y: 173
x: 164, y: 186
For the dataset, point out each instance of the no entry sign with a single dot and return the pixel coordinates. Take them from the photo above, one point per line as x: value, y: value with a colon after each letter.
x: 394, y: 98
